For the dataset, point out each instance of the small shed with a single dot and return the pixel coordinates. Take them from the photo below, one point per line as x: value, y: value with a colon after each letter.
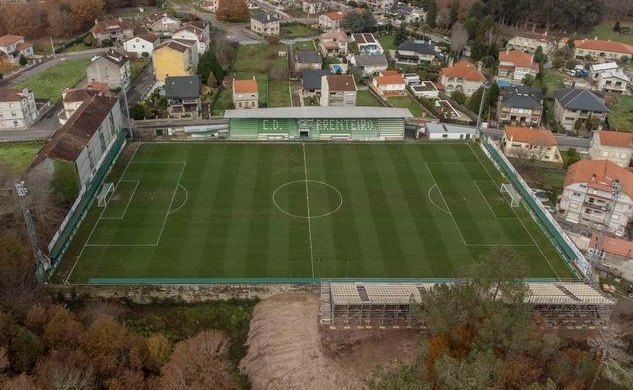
x: 447, y: 131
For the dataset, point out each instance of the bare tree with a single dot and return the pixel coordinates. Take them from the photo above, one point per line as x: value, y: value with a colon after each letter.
x: 615, y: 362
x: 198, y: 363
x: 56, y: 374
x: 459, y: 37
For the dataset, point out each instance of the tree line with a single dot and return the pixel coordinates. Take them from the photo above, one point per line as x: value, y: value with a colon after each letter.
x: 58, y: 18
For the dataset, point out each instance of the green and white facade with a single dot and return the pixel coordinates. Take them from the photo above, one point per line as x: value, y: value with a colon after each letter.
x: 318, y: 123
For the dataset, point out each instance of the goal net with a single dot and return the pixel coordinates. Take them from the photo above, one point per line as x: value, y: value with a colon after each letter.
x: 515, y: 197
x: 102, y: 197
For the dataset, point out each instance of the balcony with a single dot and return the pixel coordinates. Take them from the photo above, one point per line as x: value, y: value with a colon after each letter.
x: 597, y: 206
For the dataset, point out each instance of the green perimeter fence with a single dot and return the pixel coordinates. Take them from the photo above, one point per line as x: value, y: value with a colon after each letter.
x: 574, y: 259
x: 69, y: 226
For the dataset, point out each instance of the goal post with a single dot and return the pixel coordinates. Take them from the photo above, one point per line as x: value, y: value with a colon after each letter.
x: 515, y: 197
x: 102, y: 197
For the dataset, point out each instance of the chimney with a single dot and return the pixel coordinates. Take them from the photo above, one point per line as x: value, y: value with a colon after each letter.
x: 96, y: 21
x: 120, y: 20
x: 479, y: 65
x: 507, y: 50
x: 451, y: 60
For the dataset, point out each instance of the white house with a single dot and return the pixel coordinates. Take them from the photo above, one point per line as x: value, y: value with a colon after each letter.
x: 599, y: 49
x: 463, y: 76
x: 369, y: 64
x: 367, y: 44
x: 592, y: 188
x: 17, y: 109
x: 332, y: 21
x: 530, y: 144
x: 514, y: 65
x: 338, y: 90
x: 613, y: 81
x: 529, y: 44
x: 86, y: 138
x: 389, y: 83
x: 597, y: 68
x: 111, y: 68
x: 14, y: 46
x: 198, y: 33
x: 446, y: 131
x: 614, y: 146
x: 163, y: 24
x: 141, y: 45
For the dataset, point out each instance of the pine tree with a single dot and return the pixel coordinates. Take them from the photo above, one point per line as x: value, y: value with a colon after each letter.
x: 431, y: 14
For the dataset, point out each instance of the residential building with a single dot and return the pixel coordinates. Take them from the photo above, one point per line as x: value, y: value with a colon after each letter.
x: 425, y: 89
x: 378, y: 5
x: 599, y: 49
x: 338, y: 90
x: 312, y: 7
x: 614, y: 146
x: 530, y: 144
x: 12, y: 47
x: 573, y: 105
x: 264, y: 23
x: 463, y: 76
x: 412, y: 78
x: 389, y: 83
x: 163, y: 24
x: 613, y: 81
x: 245, y: 93
x: 141, y: 45
x: 183, y: 96
x: 115, y: 30
x: 172, y: 58
x: 610, y: 249
x: 17, y: 109
x: 369, y: 64
x: 307, y: 59
x: 595, y: 188
x: 520, y: 105
x: 110, y: 68
x: 597, y: 68
x: 210, y: 5
x: 366, y: 43
x: 333, y: 43
x: 514, y: 65
x: 529, y: 44
x: 311, y: 81
x: 406, y: 13
x: 332, y: 21
x: 86, y: 138
x: 415, y: 52
x: 199, y: 33
x: 447, y: 131
x: 72, y: 99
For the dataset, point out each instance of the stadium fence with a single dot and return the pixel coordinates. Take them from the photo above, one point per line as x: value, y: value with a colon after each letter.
x: 61, y: 240
x: 575, y: 260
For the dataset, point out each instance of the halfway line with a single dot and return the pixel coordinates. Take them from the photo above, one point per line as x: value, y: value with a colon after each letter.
x: 305, y: 171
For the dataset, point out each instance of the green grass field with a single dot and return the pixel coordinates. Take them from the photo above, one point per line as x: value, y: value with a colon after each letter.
x: 246, y: 210
x: 50, y: 83
x: 17, y: 156
x: 621, y: 114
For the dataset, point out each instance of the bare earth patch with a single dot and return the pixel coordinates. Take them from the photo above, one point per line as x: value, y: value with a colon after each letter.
x: 287, y: 348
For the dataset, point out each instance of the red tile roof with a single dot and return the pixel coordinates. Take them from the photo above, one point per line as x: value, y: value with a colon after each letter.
x: 615, y: 138
x: 9, y: 39
x: 599, y: 45
x: 23, y: 46
x: 612, y: 245
x: 337, y: 15
x: 465, y: 70
x: 181, y: 47
x: 10, y: 95
x: 543, y: 137
x: 600, y: 174
x: 245, y: 86
x: 518, y: 58
x: 390, y: 79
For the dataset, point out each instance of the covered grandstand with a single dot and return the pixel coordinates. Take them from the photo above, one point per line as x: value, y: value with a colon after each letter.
x: 377, y: 304
x: 318, y: 123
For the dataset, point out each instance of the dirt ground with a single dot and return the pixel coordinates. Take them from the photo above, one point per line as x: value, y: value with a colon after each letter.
x: 288, y: 349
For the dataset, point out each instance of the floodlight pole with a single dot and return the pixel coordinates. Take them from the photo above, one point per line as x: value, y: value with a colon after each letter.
x: 485, y: 86
x: 42, y: 263
x: 127, y: 111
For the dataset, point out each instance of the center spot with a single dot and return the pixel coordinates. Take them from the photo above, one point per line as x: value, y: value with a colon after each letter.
x: 307, y: 199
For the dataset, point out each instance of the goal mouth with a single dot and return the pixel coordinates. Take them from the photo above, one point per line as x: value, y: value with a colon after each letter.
x: 107, y: 189
x: 515, y: 197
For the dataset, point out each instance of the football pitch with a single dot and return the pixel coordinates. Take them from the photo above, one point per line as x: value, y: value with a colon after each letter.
x: 243, y: 211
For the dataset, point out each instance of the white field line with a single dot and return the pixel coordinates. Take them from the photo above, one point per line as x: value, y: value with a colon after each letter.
x: 184, y: 202
x: 444, y: 199
x: 305, y: 171
x: 96, y: 223
x: 521, y: 221
x: 486, y: 200
x: 128, y: 201
x: 428, y: 194
x: 173, y: 195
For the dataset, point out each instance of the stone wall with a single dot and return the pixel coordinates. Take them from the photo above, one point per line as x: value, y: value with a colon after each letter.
x: 182, y: 293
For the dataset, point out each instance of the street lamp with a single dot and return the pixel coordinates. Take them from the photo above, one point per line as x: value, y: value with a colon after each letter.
x: 485, y: 86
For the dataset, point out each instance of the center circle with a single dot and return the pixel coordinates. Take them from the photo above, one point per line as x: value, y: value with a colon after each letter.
x: 307, y: 199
